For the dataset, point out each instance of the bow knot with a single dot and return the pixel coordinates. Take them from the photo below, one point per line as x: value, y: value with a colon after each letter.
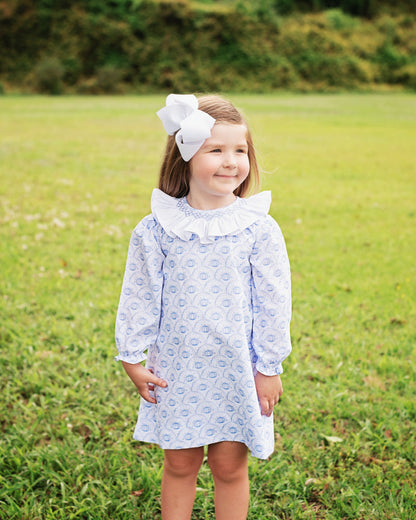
x: 193, y: 126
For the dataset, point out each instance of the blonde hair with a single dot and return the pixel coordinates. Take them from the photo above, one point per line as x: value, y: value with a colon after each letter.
x: 175, y: 172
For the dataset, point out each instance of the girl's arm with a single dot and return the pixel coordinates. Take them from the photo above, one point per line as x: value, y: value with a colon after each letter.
x: 271, y: 312
x: 138, y: 316
x: 269, y: 389
x: 271, y: 298
x: 144, y: 380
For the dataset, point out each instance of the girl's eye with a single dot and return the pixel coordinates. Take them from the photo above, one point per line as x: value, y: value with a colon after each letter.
x: 215, y: 150
x: 241, y: 150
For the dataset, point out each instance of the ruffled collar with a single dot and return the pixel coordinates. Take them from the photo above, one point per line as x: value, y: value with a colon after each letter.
x: 179, y: 219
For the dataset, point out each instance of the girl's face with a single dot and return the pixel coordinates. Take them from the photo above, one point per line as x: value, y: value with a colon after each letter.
x: 219, y: 167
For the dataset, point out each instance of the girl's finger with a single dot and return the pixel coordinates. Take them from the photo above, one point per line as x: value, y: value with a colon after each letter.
x: 157, y: 381
x: 264, y: 406
x: 147, y: 397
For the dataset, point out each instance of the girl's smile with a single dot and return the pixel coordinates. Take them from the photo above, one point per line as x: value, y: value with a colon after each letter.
x: 219, y: 167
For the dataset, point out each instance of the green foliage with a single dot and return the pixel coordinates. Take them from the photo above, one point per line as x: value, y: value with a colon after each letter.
x: 76, y: 174
x: 336, y: 71
x: 362, y: 8
x: 262, y: 10
x: 109, y: 78
x: 340, y: 21
x: 72, y: 70
x: 48, y: 75
x: 143, y: 45
x: 406, y: 75
x: 390, y: 59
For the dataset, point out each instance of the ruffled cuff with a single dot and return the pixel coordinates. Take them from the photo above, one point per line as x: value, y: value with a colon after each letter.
x: 270, y: 369
x: 130, y: 358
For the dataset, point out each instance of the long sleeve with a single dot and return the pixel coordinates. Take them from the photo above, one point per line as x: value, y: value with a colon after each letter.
x: 271, y: 298
x: 139, y: 310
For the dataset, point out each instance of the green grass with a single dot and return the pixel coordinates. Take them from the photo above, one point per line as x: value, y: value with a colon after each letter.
x: 75, y: 177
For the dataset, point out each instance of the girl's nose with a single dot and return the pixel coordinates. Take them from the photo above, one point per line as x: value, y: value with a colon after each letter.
x: 230, y: 161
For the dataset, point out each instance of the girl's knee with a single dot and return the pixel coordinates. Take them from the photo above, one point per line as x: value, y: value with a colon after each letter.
x: 228, y: 463
x: 228, y: 471
x: 183, y: 463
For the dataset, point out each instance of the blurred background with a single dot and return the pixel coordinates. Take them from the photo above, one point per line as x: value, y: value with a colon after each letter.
x: 143, y: 46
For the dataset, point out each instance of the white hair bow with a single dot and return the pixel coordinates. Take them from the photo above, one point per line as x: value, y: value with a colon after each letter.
x: 194, y: 126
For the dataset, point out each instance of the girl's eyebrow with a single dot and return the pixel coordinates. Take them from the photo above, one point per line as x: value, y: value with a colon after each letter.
x: 219, y: 145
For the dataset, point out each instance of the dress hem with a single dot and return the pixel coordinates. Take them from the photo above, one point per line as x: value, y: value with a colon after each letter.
x: 199, y: 445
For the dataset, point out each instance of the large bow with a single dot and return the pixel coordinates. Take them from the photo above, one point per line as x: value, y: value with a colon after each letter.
x: 194, y: 126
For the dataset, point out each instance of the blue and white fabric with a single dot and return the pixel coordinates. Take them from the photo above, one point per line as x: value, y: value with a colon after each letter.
x: 206, y: 300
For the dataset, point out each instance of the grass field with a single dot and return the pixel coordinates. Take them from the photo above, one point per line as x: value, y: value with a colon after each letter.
x: 75, y: 177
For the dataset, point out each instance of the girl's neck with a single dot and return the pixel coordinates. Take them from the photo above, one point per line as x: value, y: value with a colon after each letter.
x: 210, y: 203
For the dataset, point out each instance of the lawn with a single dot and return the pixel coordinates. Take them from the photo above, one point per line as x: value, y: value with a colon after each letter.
x: 76, y: 176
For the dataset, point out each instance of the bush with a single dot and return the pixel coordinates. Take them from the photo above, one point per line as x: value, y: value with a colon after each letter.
x: 389, y: 59
x: 340, y: 21
x: 48, y: 76
x: 285, y: 75
x: 261, y: 10
x: 362, y: 8
x: 406, y: 76
x: 108, y: 79
x: 334, y: 71
x: 184, y: 46
x: 87, y: 87
x: 73, y: 70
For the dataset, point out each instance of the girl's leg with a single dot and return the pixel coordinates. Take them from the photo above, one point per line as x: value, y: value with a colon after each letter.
x: 180, y: 471
x: 228, y: 463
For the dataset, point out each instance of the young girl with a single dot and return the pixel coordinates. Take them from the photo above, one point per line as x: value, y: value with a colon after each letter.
x: 206, y: 293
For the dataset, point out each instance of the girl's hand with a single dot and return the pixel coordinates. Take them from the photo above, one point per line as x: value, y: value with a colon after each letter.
x: 269, y: 389
x: 144, y: 380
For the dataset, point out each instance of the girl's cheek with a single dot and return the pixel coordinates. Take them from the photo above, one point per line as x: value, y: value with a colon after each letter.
x: 246, y: 164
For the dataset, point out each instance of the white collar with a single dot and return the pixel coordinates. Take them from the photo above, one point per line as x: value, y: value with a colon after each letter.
x: 179, y: 219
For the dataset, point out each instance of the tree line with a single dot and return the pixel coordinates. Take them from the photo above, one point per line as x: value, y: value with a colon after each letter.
x: 94, y: 46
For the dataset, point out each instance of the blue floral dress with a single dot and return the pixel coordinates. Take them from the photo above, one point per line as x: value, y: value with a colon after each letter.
x: 206, y: 294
